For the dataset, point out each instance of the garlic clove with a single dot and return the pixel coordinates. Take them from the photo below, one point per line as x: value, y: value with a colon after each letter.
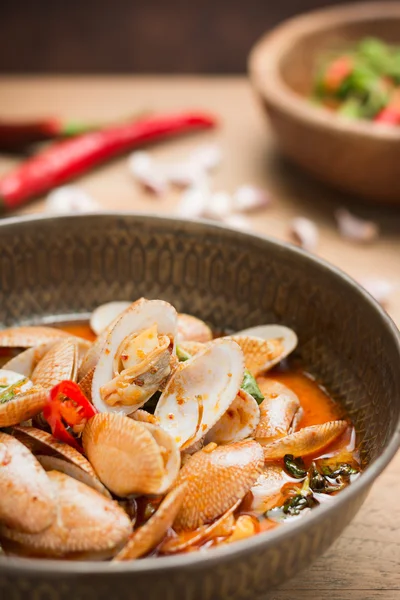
x: 355, y: 229
x: 305, y: 233
x: 248, y: 198
x: 70, y: 199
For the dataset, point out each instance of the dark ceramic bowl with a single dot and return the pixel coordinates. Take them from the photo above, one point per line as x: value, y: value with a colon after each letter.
x: 64, y: 267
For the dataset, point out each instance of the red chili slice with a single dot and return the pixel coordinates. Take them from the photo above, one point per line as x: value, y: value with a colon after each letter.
x: 67, y: 404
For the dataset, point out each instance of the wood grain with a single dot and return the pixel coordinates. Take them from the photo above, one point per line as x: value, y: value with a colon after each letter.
x: 364, y: 564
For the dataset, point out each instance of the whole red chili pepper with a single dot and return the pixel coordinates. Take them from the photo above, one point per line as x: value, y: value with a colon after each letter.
x: 18, y: 135
x: 66, y: 160
x: 67, y: 405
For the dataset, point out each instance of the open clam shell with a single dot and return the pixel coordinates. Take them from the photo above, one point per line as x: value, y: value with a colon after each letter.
x: 222, y: 527
x: 279, y: 340
x: 105, y: 314
x: 23, y: 406
x: 192, y: 329
x: 59, y: 363
x: 217, y: 477
x: 277, y: 411
x: 128, y: 456
x: 55, y: 455
x: 27, y: 501
x: 26, y: 361
x: 238, y: 422
x: 149, y: 535
x: 87, y: 525
x: 140, y: 316
x: 308, y: 440
x: 25, y: 337
x: 200, y: 392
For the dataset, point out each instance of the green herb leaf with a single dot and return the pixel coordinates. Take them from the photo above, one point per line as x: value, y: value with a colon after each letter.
x: 11, y: 390
x: 250, y: 386
x: 295, y: 466
x: 182, y: 354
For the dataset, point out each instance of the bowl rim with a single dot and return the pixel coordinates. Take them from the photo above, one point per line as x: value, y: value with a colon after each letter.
x: 263, y: 62
x: 37, y: 567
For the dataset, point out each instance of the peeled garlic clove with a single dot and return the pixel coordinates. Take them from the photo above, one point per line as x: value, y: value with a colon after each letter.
x: 104, y: 315
x: 217, y: 477
x: 147, y: 173
x: 200, y: 391
x: 207, y: 157
x: 70, y: 199
x: 27, y: 501
x: 219, y: 206
x: 238, y: 222
x: 87, y: 526
x: 305, y: 233
x: 193, y: 202
x: 380, y: 289
x: 238, y: 422
x: 149, y: 535
x: 248, y: 198
x: 306, y: 441
x: 354, y: 228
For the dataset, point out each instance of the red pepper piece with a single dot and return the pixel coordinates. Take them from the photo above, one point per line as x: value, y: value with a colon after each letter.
x: 67, y: 404
x: 337, y: 72
x: 389, y: 115
x: 19, y: 135
x: 71, y: 158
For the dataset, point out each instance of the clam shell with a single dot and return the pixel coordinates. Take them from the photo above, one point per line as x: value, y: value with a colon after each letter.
x: 277, y: 411
x: 217, y: 477
x: 193, y: 329
x: 286, y: 336
x: 55, y: 455
x: 105, y: 314
x: 88, y: 525
x: 191, y: 347
x: 149, y: 535
x: 308, y: 440
x: 27, y: 501
x: 25, y: 337
x: 200, y: 392
x: 221, y: 527
x: 238, y: 422
x: 259, y: 355
x: 171, y: 456
x: 26, y: 361
x: 124, y: 453
x: 85, y: 384
x: 58, y: 363
x: 267, y: 489
x: 140, y: 315
x: 22, y: 407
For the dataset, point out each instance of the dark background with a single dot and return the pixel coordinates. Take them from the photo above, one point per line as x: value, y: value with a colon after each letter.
x: 147, y: 36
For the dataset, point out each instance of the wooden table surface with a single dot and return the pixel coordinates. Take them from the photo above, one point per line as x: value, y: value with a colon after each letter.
x: 364, y: 563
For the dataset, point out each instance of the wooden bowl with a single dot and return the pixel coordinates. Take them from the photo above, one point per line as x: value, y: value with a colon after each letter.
x: 58, y: 268
x: 359, y: 157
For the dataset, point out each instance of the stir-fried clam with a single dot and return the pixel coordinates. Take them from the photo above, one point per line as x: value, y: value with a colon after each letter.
x: 163, y: 439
